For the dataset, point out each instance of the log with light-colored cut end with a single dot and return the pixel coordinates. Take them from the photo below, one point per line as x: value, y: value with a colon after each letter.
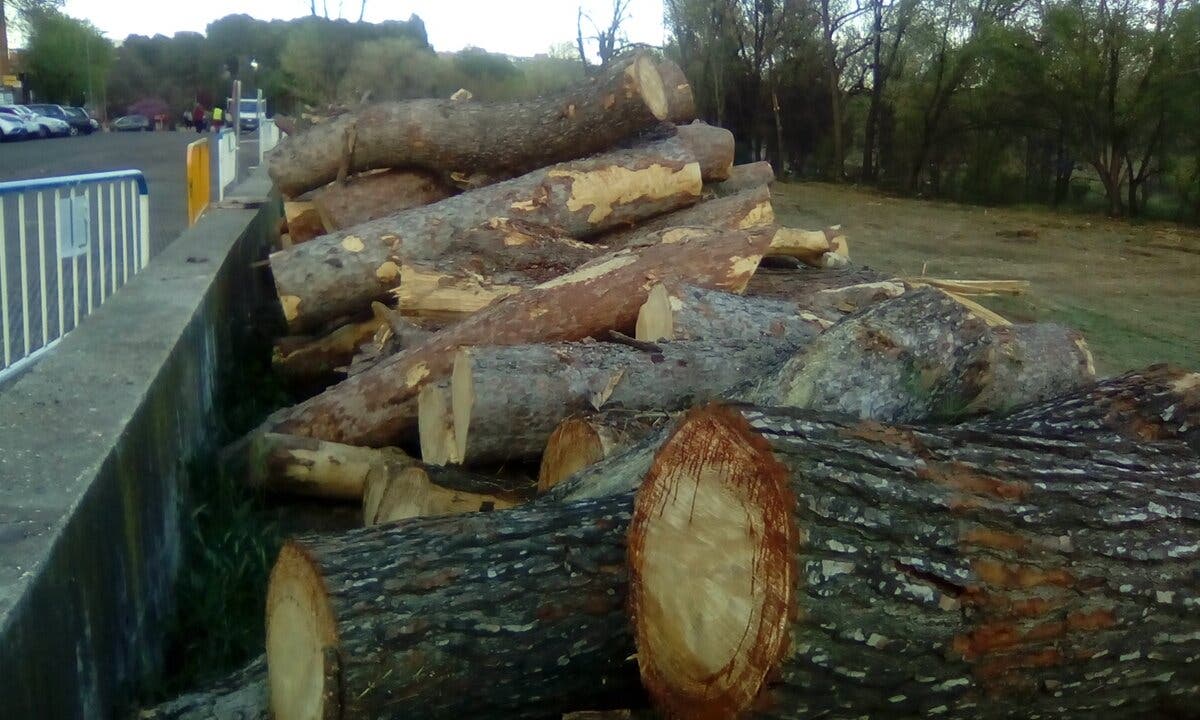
x: 789, y: 564
x: 395, y: 620
x: 304, y: 221
x: 435, y: 423
x: 316, y: 361
x: 711, y: 146
x: 448, y: 136
x: 744, y: 177
x: 740, y: 211
x: 375, y: 195
x: 295, y: 465
x: 810, y: 246
x: 241, y: 695
x: 378, y: 406
x: 581, y: 441
x: 683, y: 312
x: 507, y: 401
x: 341, y: 273
x: 478, y: 271
x: 410, y: 493
x: 681, y: 101
x: 923, y: 356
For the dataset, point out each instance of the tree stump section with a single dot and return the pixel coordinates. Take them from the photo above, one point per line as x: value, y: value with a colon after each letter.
x: 341, y: 273
x: 447, y: 136
x: 711, y: 146
x: 378, y: 406
x: 584, y: 440
x: 400, y: 620
x: 787, y: 564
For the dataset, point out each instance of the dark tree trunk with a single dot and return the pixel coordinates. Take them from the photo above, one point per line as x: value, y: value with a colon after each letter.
x: 448, y: 136
x: 514, y: 614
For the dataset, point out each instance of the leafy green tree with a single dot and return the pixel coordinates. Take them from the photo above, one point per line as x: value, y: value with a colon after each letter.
x: 67, y: 59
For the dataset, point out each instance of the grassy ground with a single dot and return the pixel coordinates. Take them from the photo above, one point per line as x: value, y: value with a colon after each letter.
x: 1132, y: 289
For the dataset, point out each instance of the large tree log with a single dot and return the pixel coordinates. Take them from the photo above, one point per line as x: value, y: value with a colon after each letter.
x: 744, y: 177
x: 378, y: 407
x: 713, y: 148
x: 682, y: 312
x: 513, y: 614
x: 342, y: 272
x: 681, y: 101
x: 242, y: 695
x: 746, y: 209
x: 923, y: 356
x: 448, y: 136
x: 375, y: 195
x: 581, y: 441
x: 477, y: 271
x: 786, y: 564
x: 507, y: 401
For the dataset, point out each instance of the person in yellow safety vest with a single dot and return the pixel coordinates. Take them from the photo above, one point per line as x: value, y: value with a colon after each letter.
x: 218, y: 118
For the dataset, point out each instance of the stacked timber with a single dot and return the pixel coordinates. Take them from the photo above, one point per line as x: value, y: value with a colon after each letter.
x: 626, y: 446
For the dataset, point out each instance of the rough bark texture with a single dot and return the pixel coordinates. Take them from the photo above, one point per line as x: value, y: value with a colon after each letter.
x: 684, y: 312
x: 508, y: 400
x: 377, y: 407
x: 372, y: 196
x: 341, y: 273
x: 304, y: 222
x: 478, y: 270
x: 447, y: 136
x: 619, y: 473
x: 744, y: 177
x: 513, y: 614
x: 314, y: 362
x: 747, y: 209
x: 949, y: 572
x: 401, y: 333
x: 800, y: 283
x: 711, y: 146
x: 923, y: 356
x: 241, y: 695
x: 584, y: 440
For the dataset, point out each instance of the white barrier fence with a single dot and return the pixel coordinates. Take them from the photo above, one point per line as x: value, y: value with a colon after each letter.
x: 227, y: 152
x: 268, y: 138
x: 66, y: 244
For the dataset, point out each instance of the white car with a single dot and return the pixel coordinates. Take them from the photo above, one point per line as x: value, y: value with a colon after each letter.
x: 47, y: 126
x: 11, y: 128
x: 16, y: 113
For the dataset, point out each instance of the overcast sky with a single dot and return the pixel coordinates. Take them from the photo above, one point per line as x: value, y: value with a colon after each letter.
x: 515, y: 27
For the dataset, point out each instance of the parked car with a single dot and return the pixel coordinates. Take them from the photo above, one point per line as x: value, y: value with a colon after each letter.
x: 81, y: 123
x: 52, y: 117
x: 132, y: 123
x: 11, y: 128
x: 26, y: 118
x: 59, y: 113
x: 42, y: 126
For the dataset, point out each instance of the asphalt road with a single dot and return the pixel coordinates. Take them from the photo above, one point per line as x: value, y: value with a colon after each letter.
x: 161, y: 158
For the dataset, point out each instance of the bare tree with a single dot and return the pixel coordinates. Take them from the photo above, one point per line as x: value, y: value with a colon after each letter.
x: 609, y: 41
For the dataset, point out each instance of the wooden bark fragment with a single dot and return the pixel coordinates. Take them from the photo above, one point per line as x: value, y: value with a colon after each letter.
x: 395, y: 620
x: 377, y: 407
x: 477, y: 270
x: 740, y: 211
x: 341, y: 273
x: 375, y: 195
x: 682, y: 312
x: 410, y: 493
x: 744, y: 177
x: 448, y: 136
x: 316, y: 361
x: 507, y: 401
x: 922, y: 356
x: 788, y: 564
x: 304, y: 221
x: 583, y: 440
x: 711, y: 146
x: 242, y: 695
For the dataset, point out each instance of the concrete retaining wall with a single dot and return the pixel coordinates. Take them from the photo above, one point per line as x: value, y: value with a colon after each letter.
x: 93, y: 445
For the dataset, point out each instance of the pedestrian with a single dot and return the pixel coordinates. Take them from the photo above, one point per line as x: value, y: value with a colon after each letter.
x: 218, y: 118
x: 198, y: 117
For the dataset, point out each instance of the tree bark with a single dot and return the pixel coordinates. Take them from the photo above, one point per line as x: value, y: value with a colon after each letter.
x: 377, y: 407
x: 846, y: 569
x: 309, y: 362
x: 507, y: 401
x: 477, y: 270
x: 341, y: 273
x: 713, y: 148
x: 304, y: 221
x: 744, y: 177
x: 923, y: 356
x: 400, y: 620
x: 682, y: 312
x: 376, y: 195
x: 581, y: 441
x: 447, y: 136
x: 745, y: 209
x: 799, y: 284
x: 241, y: 695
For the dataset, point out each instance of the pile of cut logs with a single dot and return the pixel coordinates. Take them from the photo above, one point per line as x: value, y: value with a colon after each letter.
x: 677, y: 460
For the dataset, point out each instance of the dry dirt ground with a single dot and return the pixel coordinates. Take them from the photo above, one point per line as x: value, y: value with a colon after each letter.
x: 1133, y: 289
